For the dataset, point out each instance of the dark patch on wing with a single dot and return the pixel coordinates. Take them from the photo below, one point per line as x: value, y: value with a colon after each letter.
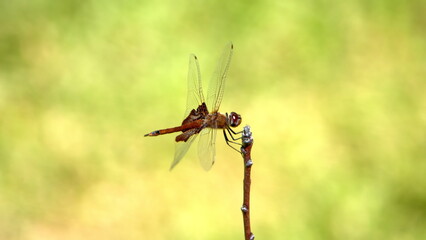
x: 187, y: 134
x: 194, y: 115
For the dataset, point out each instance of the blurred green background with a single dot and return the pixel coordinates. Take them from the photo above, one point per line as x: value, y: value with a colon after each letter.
x: 334, y: 92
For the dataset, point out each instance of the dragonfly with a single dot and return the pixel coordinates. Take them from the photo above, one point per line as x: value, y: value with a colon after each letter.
x: 201, y: 117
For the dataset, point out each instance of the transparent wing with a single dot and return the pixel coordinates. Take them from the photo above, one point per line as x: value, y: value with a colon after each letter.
x: 195, y: 91
x: 181, y: 148
x: 206, y: 148
x: 217, y: 82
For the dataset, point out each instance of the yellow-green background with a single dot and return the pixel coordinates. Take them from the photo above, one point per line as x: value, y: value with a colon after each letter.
x: 334, y: 91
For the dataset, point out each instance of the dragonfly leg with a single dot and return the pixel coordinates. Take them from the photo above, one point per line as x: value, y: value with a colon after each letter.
x: 229, y: 141
x: 232, y: 133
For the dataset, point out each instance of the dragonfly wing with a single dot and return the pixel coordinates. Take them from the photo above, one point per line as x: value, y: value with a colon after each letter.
x: 217, y: 82
x: 195, y: 91
x: 181, y: 148
x: 206, y: 148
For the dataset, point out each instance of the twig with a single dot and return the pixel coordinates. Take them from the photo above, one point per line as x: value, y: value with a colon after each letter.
x: 247, y: 143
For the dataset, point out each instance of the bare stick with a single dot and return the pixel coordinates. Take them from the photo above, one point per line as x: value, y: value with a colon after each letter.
x: 247, y: 143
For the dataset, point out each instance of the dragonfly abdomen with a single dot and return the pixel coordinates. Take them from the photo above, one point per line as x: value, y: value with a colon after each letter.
x: 191, y: 125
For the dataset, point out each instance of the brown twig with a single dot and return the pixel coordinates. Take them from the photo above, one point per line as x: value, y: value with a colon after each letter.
x: 247, y: 143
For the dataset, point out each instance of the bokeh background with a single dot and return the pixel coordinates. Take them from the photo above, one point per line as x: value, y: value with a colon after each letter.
x: 334, y: 91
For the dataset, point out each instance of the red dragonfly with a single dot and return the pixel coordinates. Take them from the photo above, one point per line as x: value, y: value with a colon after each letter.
x: 202, y: 118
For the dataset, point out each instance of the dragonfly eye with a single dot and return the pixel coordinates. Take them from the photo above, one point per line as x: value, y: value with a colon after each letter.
x: 234, y: 119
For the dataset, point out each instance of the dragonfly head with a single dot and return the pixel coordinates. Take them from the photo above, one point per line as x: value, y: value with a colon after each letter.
x: 234, y: 119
